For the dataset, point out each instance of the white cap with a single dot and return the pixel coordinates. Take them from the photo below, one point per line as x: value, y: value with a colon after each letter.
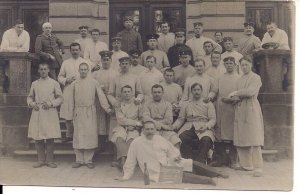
x: 47, y: 24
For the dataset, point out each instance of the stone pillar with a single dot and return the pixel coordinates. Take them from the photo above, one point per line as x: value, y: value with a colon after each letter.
x: 14, y: 114
x: 276, y: 100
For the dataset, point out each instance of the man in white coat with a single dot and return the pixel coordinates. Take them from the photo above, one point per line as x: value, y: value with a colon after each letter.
x: 44, y: 97
x: 69, y: 73
x: 85, y: 138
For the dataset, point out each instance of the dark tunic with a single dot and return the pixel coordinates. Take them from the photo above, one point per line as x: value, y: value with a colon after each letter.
x: 173, y: 54
x: 51, y: 45
x: 131, y: 39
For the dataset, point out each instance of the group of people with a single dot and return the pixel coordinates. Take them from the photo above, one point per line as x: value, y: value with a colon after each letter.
x: 190, y: 104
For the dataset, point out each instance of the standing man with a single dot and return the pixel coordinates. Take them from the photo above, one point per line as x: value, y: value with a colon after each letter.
x: 50, y: 48
x: 117, y: 52
x: 85, y: 138
x: 104, y: 76
x: 69, y: 73
x: 208, y: 48
x: 129, y: 117
x: 217, y: 68
x: 195, y: 124
x: 136, y: 68
x: 93, y: 48
x: 166, y: 38
x: 276, y: 35
x: 185, y: 69
x: 172, y: 91
x: 150, y: 77
x: 196, y: 43
x: 161, y: 57
x: 230, y: 52
x: 248, y: 43
x: 225, y: 116
x: 160, y: 111
x: 83, y: 40
x: 15, y: 39
x: 44, y: 97
x: 173, y: 52
x: 131, y: 39
x: 219, y: 39
x: 124, y: 78
x: 207, y: 82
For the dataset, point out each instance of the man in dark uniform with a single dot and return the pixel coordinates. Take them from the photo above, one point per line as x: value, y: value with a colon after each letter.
x: 49, y: 48
x: 173, y: 53
x: 131, y: 39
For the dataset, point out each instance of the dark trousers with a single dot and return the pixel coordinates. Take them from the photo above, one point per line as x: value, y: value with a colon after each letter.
x: 45, y: 150
x: 201, y: 174
x: 225, y: 153
x: 193, y: 148
x: 122, y: 147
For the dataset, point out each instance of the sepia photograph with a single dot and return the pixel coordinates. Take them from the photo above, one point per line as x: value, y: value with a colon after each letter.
x: 148, y: 94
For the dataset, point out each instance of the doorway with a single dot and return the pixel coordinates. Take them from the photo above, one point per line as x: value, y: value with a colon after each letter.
x: 147, y: 15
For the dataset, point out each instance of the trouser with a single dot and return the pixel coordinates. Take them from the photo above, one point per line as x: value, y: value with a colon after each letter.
x: 192, y: 147
x: 70, y: 128
x: 201, y: 174
x: 84, y: 156
x: 225, y: 153
x: 250, y: 157
x: 102, y: 141
x: 122, y: 147
x: 45, y: 150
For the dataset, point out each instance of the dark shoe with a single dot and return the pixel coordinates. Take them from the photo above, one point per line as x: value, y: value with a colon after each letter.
x: 39, y: 164
x: 76, y: 165
x: 90, y: 165
x: 66, y: 139
x: 51, y: 165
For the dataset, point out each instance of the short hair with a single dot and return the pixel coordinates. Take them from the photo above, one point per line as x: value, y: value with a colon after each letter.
x: 165, y: 22
x: 84, y: 63
x: 18, y: 21
x: 126, y: 86
x: 44, y: 64
x: 75, y: 44
x: 271, y: 22
x: 215, y: 52
x: 147, y: 122
x: 199, y: 60
x: 246, y: 58
x: 206, y: 42
x: 157, y: 86
x: 46, y: 24
x: 169, y: 70
x: 95, y: 30
x: 196, y: 84
x: 151, y: 56
x: 218, y: 32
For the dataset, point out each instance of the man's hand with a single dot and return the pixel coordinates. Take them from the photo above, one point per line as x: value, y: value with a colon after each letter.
x: 51, y: 57
x: 46, y: 106
x: 138, y: 124
x: 70, y: 80
x: 137, y: 101
x: 35, y: 107
x: 207, y: 100
x: 232, y: 94
x: 96, y: 68
x: 110, y: 111
x: 177, y: 159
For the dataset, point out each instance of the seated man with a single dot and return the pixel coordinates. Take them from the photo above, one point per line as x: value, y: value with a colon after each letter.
x: 198, y: 119
x: 159, y: 111
x: 128, y: 116
x: 155, y: 151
